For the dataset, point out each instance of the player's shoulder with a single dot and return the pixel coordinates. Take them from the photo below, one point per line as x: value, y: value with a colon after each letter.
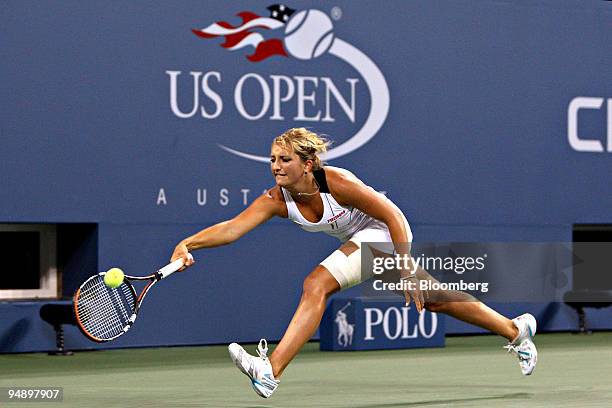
x: 274, y: 198
x: 275, y: 194
x: 342, y: 184
x: 339, y: 177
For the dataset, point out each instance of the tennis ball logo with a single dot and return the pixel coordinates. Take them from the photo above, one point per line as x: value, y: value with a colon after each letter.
x: 309, y: 34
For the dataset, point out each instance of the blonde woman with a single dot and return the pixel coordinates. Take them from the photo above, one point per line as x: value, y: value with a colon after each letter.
x: 334, y: 201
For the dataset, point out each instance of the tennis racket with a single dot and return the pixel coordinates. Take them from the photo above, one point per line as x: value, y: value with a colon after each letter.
x: 103, y: 313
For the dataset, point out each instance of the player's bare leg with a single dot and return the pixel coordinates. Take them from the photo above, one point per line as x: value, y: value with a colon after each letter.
x: 318, y: 286
x: 264, y: 372
x: 478, y: 314
x: 467, y: 308
x: 519, y: 331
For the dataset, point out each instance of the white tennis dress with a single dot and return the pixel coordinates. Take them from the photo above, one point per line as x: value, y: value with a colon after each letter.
x: 346, y: 224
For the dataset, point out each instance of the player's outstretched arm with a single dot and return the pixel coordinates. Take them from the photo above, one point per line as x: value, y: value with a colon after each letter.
x: 261, y: 210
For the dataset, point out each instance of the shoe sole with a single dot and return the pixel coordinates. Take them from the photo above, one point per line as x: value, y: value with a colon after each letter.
x: 535, y: 353
x: 234, y: 351
x: 532, y: 327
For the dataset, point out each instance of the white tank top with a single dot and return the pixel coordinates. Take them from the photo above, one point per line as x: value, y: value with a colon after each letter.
x: 338, y: 221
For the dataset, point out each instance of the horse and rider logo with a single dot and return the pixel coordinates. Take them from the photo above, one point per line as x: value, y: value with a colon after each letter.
x: 345, y: 330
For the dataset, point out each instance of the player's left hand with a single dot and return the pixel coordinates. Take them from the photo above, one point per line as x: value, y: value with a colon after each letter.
x: 413, y: 291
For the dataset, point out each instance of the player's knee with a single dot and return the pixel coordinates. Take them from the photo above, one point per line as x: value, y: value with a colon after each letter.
x: 313, y: 287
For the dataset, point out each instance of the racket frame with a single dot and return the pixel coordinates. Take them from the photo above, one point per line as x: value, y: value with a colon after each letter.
x: 127, y: 280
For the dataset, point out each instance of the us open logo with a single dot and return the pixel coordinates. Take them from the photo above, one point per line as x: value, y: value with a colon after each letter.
x: 302, y: 35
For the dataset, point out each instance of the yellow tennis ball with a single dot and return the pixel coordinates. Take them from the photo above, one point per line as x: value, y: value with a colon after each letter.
x: 113, y: 278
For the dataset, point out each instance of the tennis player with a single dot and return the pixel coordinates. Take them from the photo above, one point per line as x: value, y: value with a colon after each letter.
x: 334, y: 201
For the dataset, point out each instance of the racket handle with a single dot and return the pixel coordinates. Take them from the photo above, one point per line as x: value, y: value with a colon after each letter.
x: 172, y: 267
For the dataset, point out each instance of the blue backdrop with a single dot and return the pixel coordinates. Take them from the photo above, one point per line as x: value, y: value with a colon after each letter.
x: 473, y: 140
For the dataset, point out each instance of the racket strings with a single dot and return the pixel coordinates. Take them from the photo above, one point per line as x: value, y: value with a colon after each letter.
x: 98, y: 314
x: 107, y: 316
x: 108, y: 321
x: 104, y: 312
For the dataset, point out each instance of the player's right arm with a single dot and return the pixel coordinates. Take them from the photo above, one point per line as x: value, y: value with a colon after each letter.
x: 261, y: 210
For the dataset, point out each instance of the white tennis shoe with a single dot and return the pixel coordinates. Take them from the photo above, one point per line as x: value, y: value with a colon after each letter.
x: 258, y: 369
x: 523, y: 345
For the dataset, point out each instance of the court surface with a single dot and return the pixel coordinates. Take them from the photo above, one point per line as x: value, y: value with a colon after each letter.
x: 470, y: 372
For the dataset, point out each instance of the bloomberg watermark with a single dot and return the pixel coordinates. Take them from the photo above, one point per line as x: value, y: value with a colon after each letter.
x: 490, y: 272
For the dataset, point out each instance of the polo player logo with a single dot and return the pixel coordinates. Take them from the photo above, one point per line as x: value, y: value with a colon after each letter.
x: 345, y: 330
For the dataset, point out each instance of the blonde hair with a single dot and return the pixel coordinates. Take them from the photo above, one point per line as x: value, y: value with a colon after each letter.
x: 306, y: 144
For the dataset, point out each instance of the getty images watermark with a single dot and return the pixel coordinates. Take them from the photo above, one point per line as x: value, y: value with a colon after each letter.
x: 410, y: 280
x: 489, y: 271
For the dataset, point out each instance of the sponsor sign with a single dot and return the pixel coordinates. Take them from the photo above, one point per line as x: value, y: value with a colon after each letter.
x: 362, y: 323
